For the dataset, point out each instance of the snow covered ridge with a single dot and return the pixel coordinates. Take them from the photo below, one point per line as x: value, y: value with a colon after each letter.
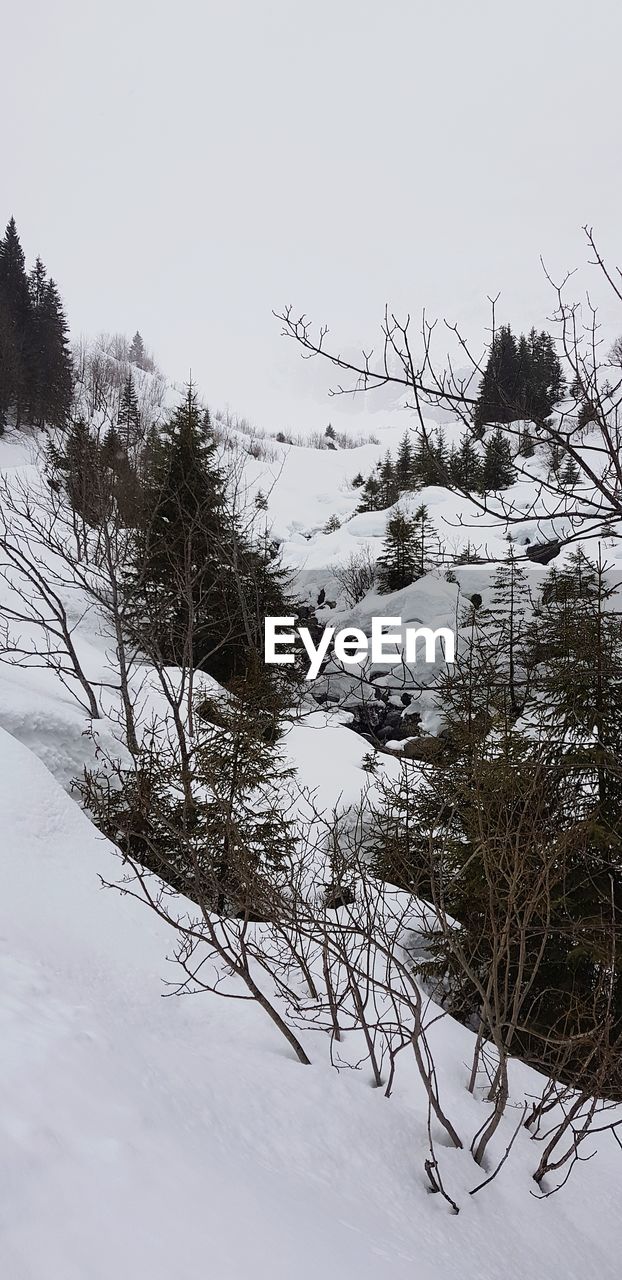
x: 390, y: 642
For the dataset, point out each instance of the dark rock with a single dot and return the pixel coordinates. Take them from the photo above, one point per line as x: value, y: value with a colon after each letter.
x: 338, y: 895
x: 544, y: 552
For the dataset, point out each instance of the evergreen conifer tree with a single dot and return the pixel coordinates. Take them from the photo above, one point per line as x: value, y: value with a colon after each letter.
x: 181, y: 574
x: 14, y: 323
x: 36, y: 376
x: 370, y: 495
x: 569, y: 474
x: 424, y: 464
x: 201, y: 582
x: 498, y: 470
x: 502, y: 382
x: 388, y: 491
x: 526, y: 446
x: 399, y: 561
x: 136, y: 353
x: 404, y: 464
x: 128, y: 419
x: 468, y: 466
x: 53, y: 373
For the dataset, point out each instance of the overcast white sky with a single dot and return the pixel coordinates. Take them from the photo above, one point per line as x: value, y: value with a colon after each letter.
x: 184, y: 167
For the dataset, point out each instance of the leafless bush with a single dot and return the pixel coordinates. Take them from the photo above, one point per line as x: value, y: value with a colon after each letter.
x: 356, y: 575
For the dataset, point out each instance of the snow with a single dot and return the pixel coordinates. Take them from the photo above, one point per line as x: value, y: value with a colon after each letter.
x: 159, y: 1138
x: 155, y: 1137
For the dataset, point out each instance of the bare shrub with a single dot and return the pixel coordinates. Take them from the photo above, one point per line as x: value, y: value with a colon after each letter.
x: 356, y: 575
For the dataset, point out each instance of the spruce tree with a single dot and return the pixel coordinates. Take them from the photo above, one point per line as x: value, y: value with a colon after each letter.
x: 424, y: 465
x: 427, y: 542
x: 370, y: 495
x: 128, y: 418
x: 545, y: 383
x: 441, y: 456
x: 77, y: 461
x: 404, y: 464
x: 36, y: 376
x: 501, y: 387
x: 577, y: 642
x: 400, y: 557
x: 522, y: 379
x: 569, y: 474
x: 468, y: 466
x: 136, y: 354
x: 498, y: 469
x: 388, y: 491
x: 179, y: 562
x: 203, y: 585
x: 555, y: 457
x: 14, y: 323
x: 53, y: 372
x: 526, y: 446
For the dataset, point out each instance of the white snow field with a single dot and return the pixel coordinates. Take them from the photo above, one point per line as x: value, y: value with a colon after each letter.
x: 145, y: 1137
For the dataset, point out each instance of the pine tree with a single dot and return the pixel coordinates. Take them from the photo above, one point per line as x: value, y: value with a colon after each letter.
x: 78, y: 461
x: 388, y: 491
x: 522, y: 379
x: 215, y: 826
x: 441, y: 456
x: 555, y: 457
x: 545, y: 382
x: 424, y: 465
x: 427, y: 542
x: 128, y: 418
x: 201, y: 583
x: 404, y: 464
x: 468, y: 466
x: 330, y: 432
x: 526, y: 445
x: 14, y: 323
x: 498, y: 470
x: 577, y: 639
x: 242, y: 826
x: 179, y: 564
x: 399, y: 561
x: 468, y: 555
x: 52, y: 374
x: 36, y: 345
x: 36, y: 376
x: 569, y: 474
x: 511, y: 612
x: 136, y: 354
x: 370, y: 495
x: 502, y: 381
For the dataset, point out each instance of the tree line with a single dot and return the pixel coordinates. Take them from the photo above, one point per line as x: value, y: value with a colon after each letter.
x: 429, y: 461
x: 36, y: 378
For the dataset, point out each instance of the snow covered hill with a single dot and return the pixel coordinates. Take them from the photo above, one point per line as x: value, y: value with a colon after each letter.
x: 156, y: 1138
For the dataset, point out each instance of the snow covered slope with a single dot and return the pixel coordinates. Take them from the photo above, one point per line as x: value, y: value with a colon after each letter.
x: 153, y: 1138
